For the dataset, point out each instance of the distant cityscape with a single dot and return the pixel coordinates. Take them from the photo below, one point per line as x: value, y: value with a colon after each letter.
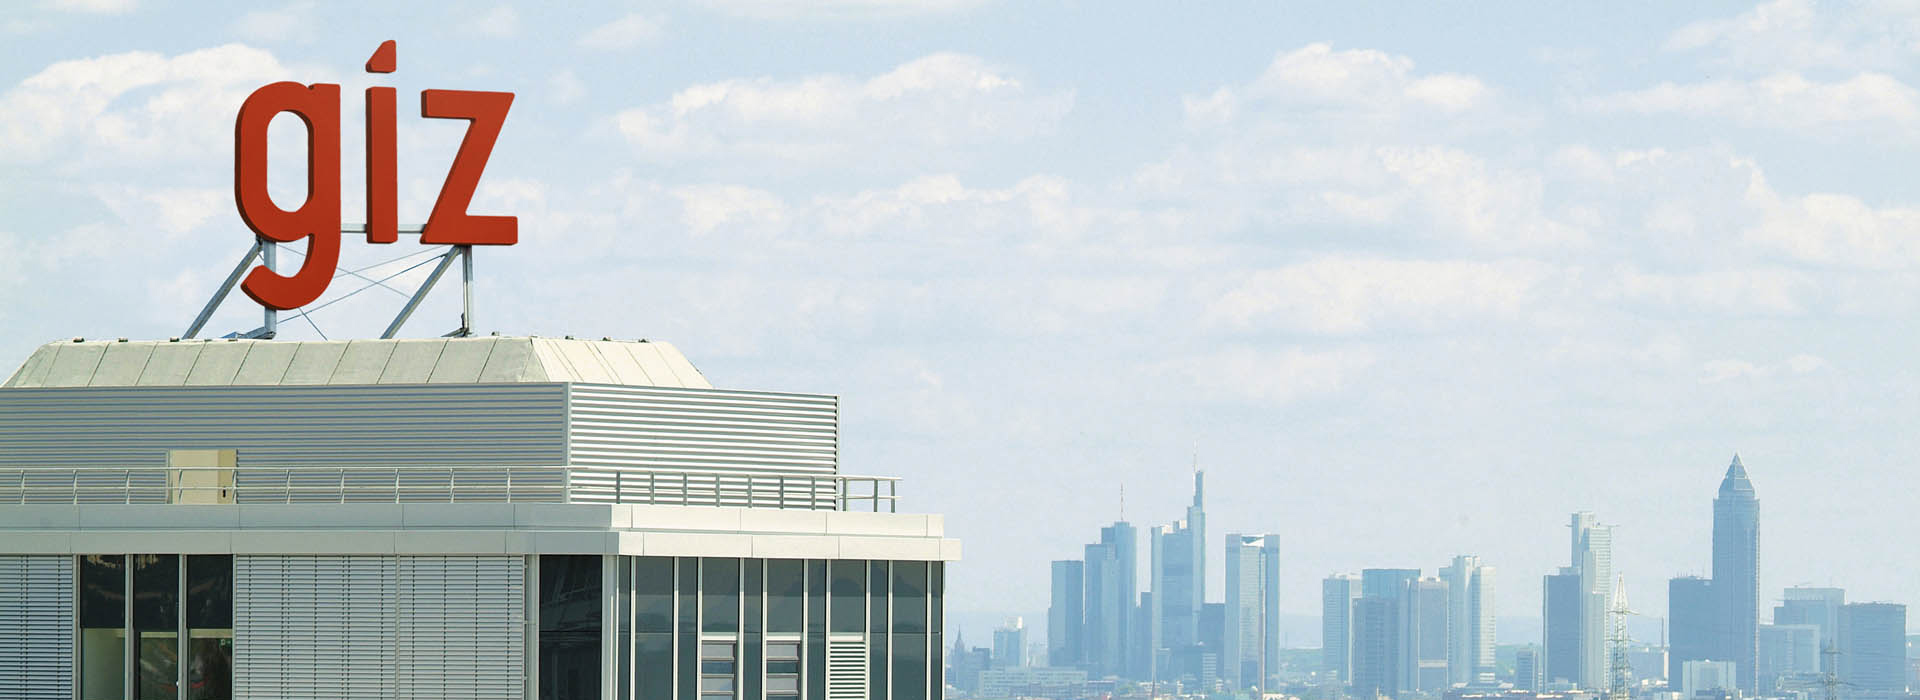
x: 1399, y: 633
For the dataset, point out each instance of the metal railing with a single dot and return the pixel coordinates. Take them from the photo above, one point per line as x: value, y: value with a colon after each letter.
x: 480, y: 484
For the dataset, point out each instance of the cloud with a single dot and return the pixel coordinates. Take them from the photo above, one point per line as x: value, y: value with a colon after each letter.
x: 1317, y: 82
x: 567, y: 87
x: 294, y: 21
x: 1345, y: 295
x: 91, y: 104
x: 938, y: 103
x: 500, y: 22
x: 101, y: 7
x: 1833, y: 228
x: 624, y: 33
x: 1798, y: 34
x: 1743, y: 292
x: 1245, y: 374
x: 839, y: 9
x: 1724, y: 370
x: 1781, y: 101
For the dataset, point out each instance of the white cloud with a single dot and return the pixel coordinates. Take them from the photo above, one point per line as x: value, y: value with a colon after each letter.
x: 1758, y: 291
x: 1799, y: 34
x: 839, y: 9
x: 1241, y: 373
x: 934, y: 104
x: 1784, y: 101
x: 294, y: 21
x: 499, y: 22
x: 1341, y: 295
x: 105, y: 7
x: 624, y: 33
x: 1317, y: 82
x: 567, y: 87
x: 1723, y: 370
x: 1833, y: 228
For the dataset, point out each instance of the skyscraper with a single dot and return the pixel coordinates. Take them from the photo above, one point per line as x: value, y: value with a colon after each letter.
x: 1066, y: 615
x: 1787, y: 652
x: 1526, y: 669
x: 1111, y: 572
x: 1423, y: 636
x: 1337, y: 596
x: 1873, y: 648
x: 1470, y: 622
x: 1010, y: 643
x: 1561, y: 604
x: 1692, y: 635
x: 1377, y: 658
x: 1179, y: 578
x: 1736, y: 574
x: 1593, y: 560
x: 1252, y: 637
x: 1819, y: 607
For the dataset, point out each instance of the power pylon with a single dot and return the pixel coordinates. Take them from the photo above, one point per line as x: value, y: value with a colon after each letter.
x: 1620, y: 678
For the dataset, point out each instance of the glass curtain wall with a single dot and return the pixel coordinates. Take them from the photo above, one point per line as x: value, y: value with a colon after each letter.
x: 570, y: 627
x: 133, y: 611
x: 758, y: 629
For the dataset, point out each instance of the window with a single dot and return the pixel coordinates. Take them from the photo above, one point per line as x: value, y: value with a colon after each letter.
x: 209, y: 616
x: 910, y: 597
x: 720, y: 595
x: 783, y: 669
x: 786, y: 595
x: 142, y: 656
x: 156, y: 619
x: 103, y: 627
x: 848, y: 588
x: 717, y: 670
x: 569, y: 627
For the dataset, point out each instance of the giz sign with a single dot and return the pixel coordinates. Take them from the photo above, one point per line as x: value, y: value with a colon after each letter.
x: 318, y: 218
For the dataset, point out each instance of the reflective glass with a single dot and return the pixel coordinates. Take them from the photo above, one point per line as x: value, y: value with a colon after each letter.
x: 653, y: 660
x: 816, y: 596
x: 653, y: 593
x: 103, y: 634
x: 570, y: 620
x: 910, y: 597
x: 877, y: 658
x: 720, y: 595
x: 877, y: 575
x: 689, y: 610
x: 209, y: 627
x: 848, y: 583
x: 786, y: 595
x: 936, y: 589
x: 752, y: 600
x: 624, y: 689
x: 909, y: 667
x: 156, y: 617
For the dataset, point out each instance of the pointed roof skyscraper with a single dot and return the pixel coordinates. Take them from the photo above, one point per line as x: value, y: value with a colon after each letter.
x: 1736, y: 482
x: 1736, y: 574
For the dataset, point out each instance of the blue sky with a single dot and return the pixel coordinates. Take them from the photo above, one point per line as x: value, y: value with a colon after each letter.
x: 1410, y: 280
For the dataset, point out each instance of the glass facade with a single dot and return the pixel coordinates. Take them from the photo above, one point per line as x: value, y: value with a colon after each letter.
x: 761, y: 629
x: 570, y: 613
x: 134, y: 610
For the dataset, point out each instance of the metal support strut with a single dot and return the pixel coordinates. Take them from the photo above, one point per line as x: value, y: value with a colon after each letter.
x: 266, y: 252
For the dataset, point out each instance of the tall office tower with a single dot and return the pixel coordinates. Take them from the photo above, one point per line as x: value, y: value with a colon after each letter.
x: 1140, y: 655
x: 1819, y: 607
x: 1010, y: 644
x: 1423, y: 636
x: 1376, y: 630
x: 1252, y: 648
x: 1787, y: 652
x: 1691, y: 635
x: 1562, y: 602
x: 1593, y: 560
x: 1180, y: 577
x: 1526, y: 670
x: 1470, y: 626
x: 1706, y: 676
x: 1111, y: 571
x: 1066, y: 615
x: 1337, y: 596
x: 1736, y: 573
x: 1873, y: 648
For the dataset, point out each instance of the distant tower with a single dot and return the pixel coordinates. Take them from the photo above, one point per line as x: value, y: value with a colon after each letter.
x: 1180, y: 579
x: 1593, y: 560
x: 1066, y: 615
x: 1470, y: 629
x: 1736, y: 574
x: 1108, y: 638
x: 1338, y: 593
x: 1692, y: 635
x: 1252, y: 634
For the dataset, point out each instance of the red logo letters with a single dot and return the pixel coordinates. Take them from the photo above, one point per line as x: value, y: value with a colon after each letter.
x: 318, y: 218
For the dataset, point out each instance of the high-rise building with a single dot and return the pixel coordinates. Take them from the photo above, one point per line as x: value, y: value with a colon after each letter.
x: 1376, y: 630
x: 1593, y: 560
x: 1736, y: 573
x: 1470, y: 621
x: 1691, y: 635
x: 1252, y: 638
x: 1111, y: 571
x: 1697, y: 677
x: 1873, y: 648
x: 1787, y: 652
x: 1337, y: 596
x: 1820, y: 607
x: 1179, y: 580
x: 1066, y: 615
x: 1562, y: 601
x: 1526, y: 669
x: 1423, y: 636
x: 1010, y: 643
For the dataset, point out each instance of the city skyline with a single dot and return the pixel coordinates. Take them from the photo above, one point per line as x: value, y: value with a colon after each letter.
x: 1453, y: 273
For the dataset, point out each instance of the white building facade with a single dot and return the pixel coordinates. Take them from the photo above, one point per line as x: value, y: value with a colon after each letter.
x: 510, y: 518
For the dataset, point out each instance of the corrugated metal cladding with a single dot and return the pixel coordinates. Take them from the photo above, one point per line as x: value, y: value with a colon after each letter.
x: 703, y: 430
x: 379, y: 627
x: 36, y: 628
x: 334, y: 426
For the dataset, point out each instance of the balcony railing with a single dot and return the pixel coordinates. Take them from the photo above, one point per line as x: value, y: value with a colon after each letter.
x: 488, y: 484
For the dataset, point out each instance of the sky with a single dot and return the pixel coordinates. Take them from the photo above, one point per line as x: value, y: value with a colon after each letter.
x: 1408, y: 280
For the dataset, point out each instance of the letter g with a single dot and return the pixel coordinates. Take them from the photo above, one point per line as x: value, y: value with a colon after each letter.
x: 318, y: 218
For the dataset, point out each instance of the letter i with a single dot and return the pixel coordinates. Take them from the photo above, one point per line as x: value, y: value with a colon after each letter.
x: 383, y: 177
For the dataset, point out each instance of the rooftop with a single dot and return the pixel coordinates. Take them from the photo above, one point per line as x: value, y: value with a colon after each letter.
x: 237, y: 362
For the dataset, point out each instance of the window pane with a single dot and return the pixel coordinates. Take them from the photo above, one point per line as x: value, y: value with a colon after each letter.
x: 689, y: 610
x: 210, y: 666
x: 877, y: 659
x: 209, y: 627
x: 720, y: 599
x: 653, y: 593
x: 936, y: 646
x: 653, y: 662
x: 816, y: 596
x: 159, y: 664
x: 786, y: 594
x: 716, y: 651
x: 751, y: 598
x: 877, y: 575
x: 784, y: 650
x: 750, y: 664
x: 717, y: 684
x: 779, y: 667
x: 689, y: 666
x: 570, y: 619
x: 624, y: 688
x: 156, y: 592
x: 849, y: 586
x: 103, y: 635
x: 910, y: 597
x: 910, y: 667
x: 936, y: 590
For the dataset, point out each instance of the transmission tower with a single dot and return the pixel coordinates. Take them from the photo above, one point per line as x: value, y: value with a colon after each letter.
x: 1620, y: 680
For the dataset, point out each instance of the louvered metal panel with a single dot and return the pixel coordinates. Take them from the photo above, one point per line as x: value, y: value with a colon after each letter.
x: 314, y: 627
x: 461, y: 624
x: 287, y: 426
x: 846, y: 669
x: 36, y: 628
x: 703, y: 430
